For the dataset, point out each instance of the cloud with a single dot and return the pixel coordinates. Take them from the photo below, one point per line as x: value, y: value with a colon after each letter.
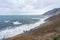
x: 30, y: 7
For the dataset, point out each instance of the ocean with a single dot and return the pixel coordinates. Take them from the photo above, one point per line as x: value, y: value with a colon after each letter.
x: 11, y: 25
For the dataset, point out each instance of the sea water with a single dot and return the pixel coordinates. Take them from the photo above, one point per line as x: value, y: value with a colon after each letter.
x: 11, y: 25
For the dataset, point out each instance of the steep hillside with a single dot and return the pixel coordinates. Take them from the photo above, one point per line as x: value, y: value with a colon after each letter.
x: 53, y: 11
x: 46, y: 31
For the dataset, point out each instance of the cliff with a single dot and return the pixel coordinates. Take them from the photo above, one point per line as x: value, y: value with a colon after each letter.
x: 46, y: 31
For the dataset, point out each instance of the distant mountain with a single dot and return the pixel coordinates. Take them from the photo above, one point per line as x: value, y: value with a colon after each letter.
x: 53, y: 11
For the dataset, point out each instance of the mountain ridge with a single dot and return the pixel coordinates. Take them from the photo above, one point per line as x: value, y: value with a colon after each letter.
x: 52, y: 12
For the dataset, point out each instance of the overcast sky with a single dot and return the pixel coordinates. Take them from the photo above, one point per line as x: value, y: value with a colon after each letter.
x: 27, y: 7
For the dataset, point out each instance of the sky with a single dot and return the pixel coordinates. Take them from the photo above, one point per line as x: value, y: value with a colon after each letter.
x: 27, y: 7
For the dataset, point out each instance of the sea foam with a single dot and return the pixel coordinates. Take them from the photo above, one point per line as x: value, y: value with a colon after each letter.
x: 20, y: 29
x: 16, y: 23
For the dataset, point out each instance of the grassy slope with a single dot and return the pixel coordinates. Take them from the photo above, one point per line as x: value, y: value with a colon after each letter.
x: 46, y: 31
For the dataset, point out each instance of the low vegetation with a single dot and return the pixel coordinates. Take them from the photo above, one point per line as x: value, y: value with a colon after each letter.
x: 57, y: 38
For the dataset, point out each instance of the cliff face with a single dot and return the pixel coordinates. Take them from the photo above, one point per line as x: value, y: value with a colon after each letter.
x: 46, y: 31
x: 53, y: 12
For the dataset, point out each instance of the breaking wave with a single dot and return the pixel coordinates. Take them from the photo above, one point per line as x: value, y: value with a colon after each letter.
x: 20, y: 29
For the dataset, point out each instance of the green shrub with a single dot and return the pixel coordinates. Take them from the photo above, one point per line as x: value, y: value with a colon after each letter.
x: 56, y: 38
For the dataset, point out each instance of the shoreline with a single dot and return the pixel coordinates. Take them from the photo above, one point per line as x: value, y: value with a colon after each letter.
x: 31, y: 27
x: 48, y: 29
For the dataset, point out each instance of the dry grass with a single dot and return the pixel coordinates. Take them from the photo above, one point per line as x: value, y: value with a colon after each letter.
x: 46, y: 31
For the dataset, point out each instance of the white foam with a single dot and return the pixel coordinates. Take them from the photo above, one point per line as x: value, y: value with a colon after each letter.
x: 6, y: 21
x: 35, y: 18
x: 16, y: 23
x: 20, y: 29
